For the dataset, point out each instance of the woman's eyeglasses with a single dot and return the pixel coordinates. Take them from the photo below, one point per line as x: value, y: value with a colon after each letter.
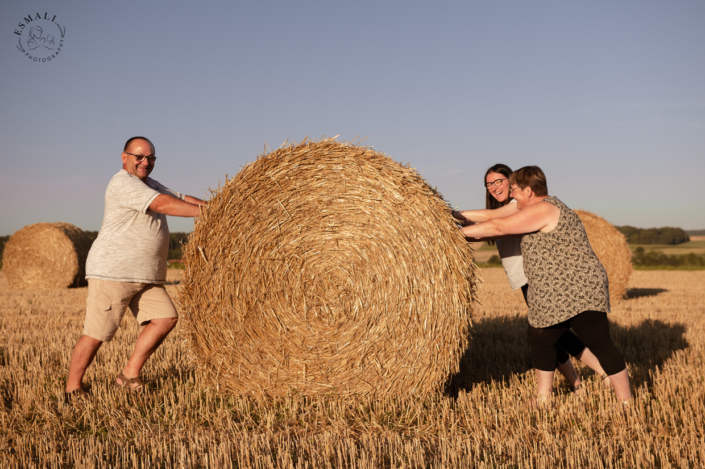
x: 495, y: 183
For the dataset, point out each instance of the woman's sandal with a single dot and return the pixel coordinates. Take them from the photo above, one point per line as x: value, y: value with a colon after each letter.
x: 131, y: 384
x: 606, y: 380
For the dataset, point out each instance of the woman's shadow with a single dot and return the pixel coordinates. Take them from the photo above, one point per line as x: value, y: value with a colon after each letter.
x: 499, y: 348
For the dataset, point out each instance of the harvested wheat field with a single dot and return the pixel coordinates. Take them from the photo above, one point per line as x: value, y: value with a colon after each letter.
x: 481, y: 421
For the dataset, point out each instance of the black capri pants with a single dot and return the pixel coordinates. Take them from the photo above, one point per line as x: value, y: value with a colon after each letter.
x: 569, y: 343
x: 592, y: 327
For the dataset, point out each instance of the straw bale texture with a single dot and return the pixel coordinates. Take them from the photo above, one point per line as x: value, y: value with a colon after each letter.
x: 47, y: 255
x: 612, y: 249
x: 326, y: 267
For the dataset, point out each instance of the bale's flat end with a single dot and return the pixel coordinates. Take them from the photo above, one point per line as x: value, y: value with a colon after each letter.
x: 46, y: 255
x: 612, y: 249
x: 326, y: 267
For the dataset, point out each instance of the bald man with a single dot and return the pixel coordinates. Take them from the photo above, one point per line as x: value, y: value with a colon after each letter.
x: 126, y: 266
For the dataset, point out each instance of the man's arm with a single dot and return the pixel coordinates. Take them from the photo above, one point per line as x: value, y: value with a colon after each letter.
x: 194, y: 200
x: 169, y: 205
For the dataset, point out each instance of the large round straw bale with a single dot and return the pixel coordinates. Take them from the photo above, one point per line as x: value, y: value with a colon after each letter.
x: 46, y: 255
x: 326, y: 267
x: 612, y: 249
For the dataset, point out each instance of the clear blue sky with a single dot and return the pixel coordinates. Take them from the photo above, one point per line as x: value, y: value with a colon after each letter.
x: 607, y: 97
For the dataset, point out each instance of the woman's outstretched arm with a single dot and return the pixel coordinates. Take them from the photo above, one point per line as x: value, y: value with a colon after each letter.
x: 539, y: 217
x: 481, y: 216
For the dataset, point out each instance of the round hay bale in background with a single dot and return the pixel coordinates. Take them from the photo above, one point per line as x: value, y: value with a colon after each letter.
x: 612, y: 249
x: 46, y: 255
x: 326, y: 267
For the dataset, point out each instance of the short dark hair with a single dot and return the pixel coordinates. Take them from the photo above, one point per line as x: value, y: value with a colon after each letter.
x: 127, y: 144
x: 531, y: 176
x: 491, y: 202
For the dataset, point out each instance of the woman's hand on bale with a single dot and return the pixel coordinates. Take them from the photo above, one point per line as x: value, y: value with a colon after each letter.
x: 461, y: 219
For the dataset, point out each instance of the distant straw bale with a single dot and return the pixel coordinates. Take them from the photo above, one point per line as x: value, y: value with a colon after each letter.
x: 46, y: 255
x: 326, y: 267
x: 612, y: 249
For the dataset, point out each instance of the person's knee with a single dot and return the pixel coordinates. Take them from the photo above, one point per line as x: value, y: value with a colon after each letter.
x: 561, y: 356
x: 571, y: 344
x: 89, y: 342
x: 165, y: 323
x: 611, y: 360
x: 536, y: 337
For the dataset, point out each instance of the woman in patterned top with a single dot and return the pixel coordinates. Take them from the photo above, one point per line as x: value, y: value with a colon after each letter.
x: 498, y: 204
x: 569, y: 285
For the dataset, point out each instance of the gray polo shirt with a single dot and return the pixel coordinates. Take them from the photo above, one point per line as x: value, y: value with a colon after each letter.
x: 133, y: 242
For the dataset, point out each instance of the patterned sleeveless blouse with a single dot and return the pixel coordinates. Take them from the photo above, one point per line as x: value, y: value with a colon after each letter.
x: 565, y: 276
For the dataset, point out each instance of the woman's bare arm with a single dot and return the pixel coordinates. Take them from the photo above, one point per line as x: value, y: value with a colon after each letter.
x: 539, y: 217
x: 481, y: 216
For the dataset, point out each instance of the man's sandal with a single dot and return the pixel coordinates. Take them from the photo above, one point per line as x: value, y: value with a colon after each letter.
x: 131, y: 384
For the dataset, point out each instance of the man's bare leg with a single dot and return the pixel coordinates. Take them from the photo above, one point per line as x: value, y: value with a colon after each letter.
x: 83, y: 354
x: 148, y: 341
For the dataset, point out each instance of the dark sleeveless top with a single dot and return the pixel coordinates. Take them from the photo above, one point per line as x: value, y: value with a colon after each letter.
x: 565, y: 276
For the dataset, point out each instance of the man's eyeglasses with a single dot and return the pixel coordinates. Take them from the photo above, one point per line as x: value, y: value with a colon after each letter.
x: 140, y: 158
x: 495, y: 183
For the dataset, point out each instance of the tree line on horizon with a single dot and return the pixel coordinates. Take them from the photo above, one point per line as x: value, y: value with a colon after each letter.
x: 3, y: 241
x: 664, y: 235
x: 176, y: 240
x: 644, y: 258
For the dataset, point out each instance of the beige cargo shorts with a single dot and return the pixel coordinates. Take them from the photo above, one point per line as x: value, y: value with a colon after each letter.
x: 108, y: 301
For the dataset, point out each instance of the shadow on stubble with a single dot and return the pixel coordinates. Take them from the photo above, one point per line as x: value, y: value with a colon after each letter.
x: 499, y: 349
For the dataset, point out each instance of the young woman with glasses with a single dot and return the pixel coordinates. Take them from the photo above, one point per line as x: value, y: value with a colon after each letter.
x: 499, y: 204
